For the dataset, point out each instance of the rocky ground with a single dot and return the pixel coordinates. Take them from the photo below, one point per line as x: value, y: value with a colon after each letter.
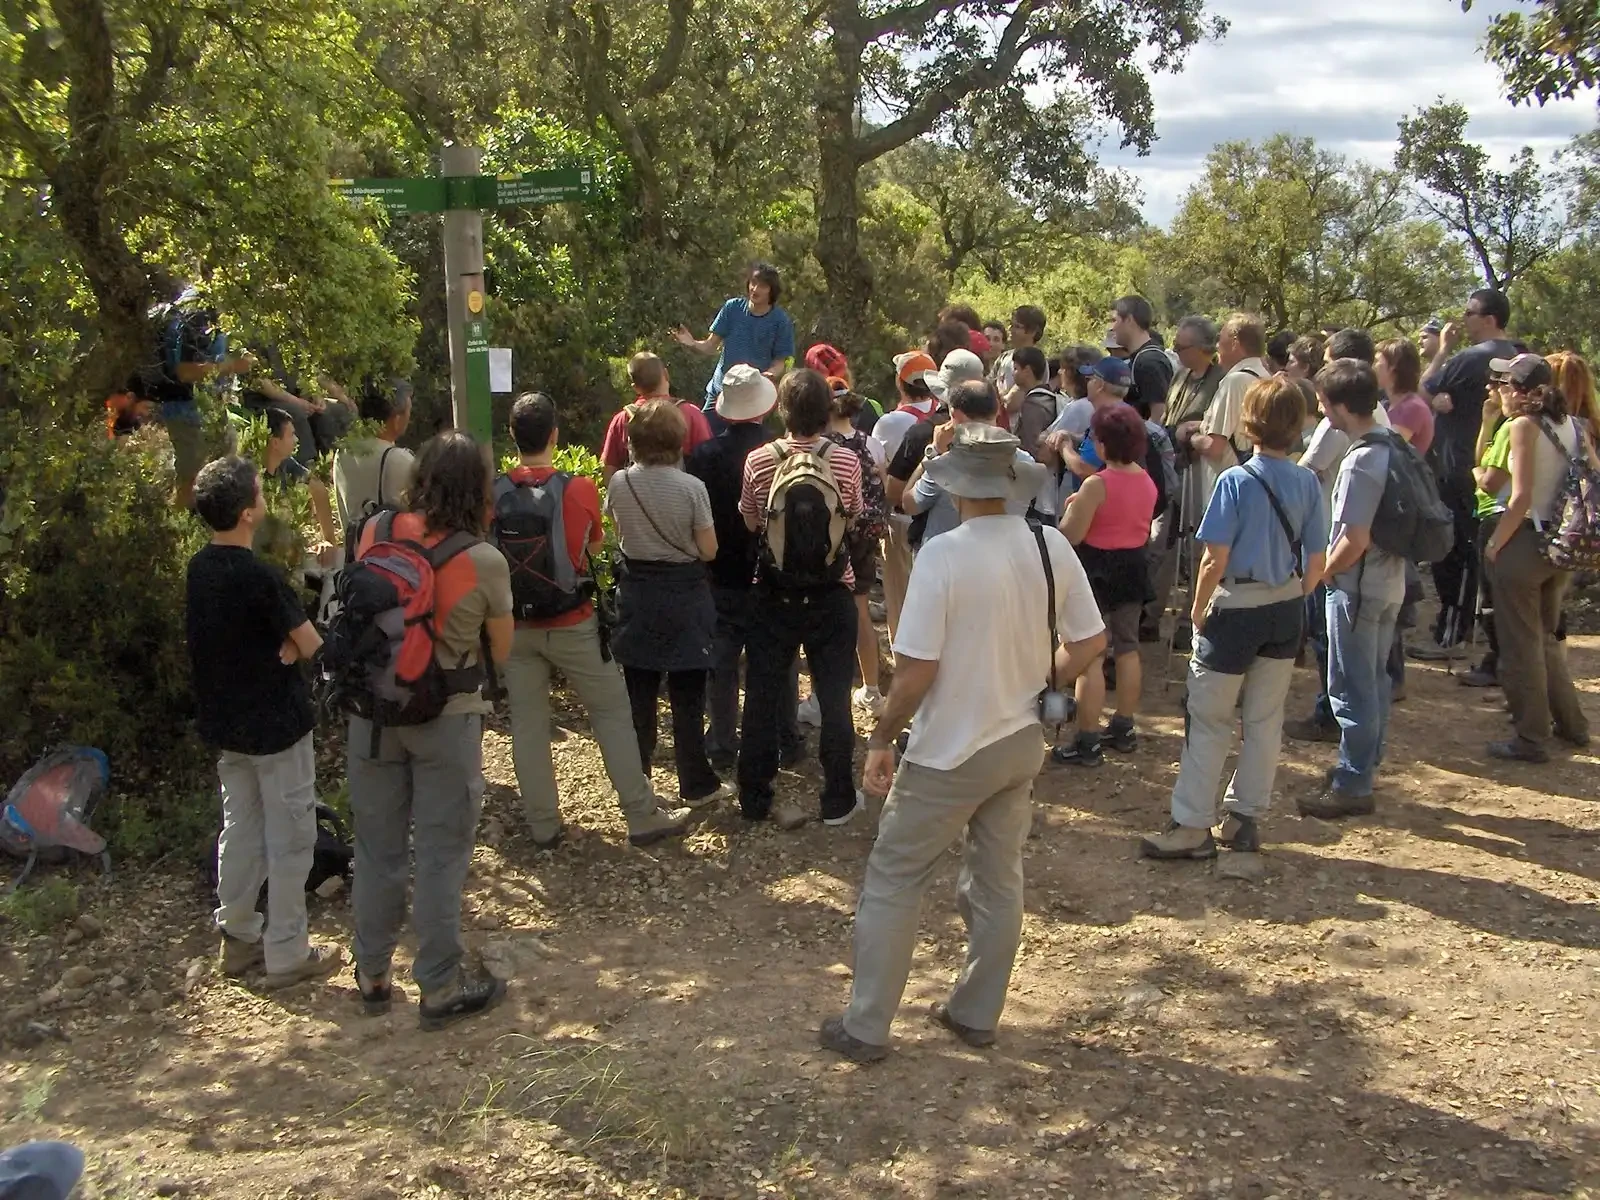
x: 1399, y: 1006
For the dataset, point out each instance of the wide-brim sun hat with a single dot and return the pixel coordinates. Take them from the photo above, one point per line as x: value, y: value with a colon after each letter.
x: 982, y: 464
x: 747, y: 394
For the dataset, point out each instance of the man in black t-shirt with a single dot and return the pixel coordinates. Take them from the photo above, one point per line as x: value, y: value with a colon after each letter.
x: 247, y: 635
x: 1131, y: 325
x: 904, y: 464
x: 1458, y: 386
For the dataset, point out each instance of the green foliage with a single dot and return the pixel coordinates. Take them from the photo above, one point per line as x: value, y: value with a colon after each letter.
x: 45, y: 904
x: 1549, y: 53
x: 1505, y: 218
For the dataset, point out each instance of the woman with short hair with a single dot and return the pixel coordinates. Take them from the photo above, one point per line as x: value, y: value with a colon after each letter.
x: 1528, y: 588
x: 1265, y: 538
x: 666, y: 618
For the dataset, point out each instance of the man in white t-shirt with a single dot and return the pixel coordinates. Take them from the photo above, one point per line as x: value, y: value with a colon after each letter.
x: 973, y: 683
x: 1215, y: 439
x: 374, y: 471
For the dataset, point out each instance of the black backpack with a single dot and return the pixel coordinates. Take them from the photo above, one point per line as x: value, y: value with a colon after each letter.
x: 530, y: 530
x: 1411, y: 521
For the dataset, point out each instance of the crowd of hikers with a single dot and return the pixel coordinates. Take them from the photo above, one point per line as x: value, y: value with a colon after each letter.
x: 1036, y: 520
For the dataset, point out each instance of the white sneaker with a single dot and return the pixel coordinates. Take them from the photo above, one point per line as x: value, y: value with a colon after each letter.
x: 809, y: 712
x: 869, y: 698
x: 725, y: 791
x: 860, y: 806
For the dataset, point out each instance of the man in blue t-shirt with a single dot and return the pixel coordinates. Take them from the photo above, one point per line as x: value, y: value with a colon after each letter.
x: 750, y: 329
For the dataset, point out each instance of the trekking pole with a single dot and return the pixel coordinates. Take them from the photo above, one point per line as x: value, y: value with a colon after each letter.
x: 1457, y: 618
x: 1185, y: 558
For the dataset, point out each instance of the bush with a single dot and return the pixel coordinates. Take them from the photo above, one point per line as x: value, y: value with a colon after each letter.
x: 41, y: 906
x: 92, y: 560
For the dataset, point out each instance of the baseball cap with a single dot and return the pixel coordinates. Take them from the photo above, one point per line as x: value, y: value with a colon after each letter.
x: 978, y: 343
x: 1433, y: 325
x: 1114, y: 371
x: 827, y: 360
x: 1525, y: 370
x: 40, y: 1171
x: 911, y: 364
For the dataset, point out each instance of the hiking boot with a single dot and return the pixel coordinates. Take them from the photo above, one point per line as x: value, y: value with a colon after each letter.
x: 1479, y: 677
x: 844, y: 818
x: 466, y: 997
x: 551, y: 842
x: 833, y: 1037
x: 376, y: 998
x: 240, y: 957
x: 1120, y: 736
x: 1238, y: 832
x: 1519, y: 749
x: 321, y: 962
x: 979, y: 1039
x: 1083, y: 751
x: 656, y: 825
x: 1431, y: 652
x: 788, y: 816
x: 726, y: 791
x: 1179, y: 842
x: 1312, y: 730
x: 1331, y: 804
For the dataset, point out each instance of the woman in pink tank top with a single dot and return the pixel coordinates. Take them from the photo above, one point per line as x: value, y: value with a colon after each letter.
x: 1108, y: 520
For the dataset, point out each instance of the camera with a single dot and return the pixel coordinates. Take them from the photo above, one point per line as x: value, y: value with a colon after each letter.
x: 1056, y: 708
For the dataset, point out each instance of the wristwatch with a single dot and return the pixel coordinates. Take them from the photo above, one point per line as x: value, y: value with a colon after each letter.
x: 931, y: 453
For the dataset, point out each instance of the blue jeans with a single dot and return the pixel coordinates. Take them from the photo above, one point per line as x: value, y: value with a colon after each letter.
x: 1360, y: 633
x: 1317, y: 634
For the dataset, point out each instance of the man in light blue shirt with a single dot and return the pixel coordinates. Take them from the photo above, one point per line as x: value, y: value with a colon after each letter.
x: 975, y: 401
x: 749, y: 329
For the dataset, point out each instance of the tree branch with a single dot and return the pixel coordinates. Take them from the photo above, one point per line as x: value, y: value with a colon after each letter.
x: 907, y: 17
x: 927, y: 108
x: 31, y: 140
x: 678, y: 13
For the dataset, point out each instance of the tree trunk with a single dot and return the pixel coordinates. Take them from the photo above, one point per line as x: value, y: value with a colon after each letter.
x: 843, y: 320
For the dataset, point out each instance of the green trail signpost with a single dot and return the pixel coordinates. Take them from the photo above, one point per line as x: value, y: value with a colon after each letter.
x: 461, y: 194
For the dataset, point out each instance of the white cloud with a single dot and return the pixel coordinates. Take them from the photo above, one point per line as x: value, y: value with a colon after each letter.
x: 1344, y: 76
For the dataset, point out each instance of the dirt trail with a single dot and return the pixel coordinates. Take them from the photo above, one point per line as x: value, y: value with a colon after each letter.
x: 1405, y: 1006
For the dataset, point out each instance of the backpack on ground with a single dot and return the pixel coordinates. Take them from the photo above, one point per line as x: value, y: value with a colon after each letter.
x: 380, y: 656
x: 1572, y: 536
x: 803, y: 543
x: 334, y: 853
x: 1411, y: 522
x: 874, y: 520
x: 46, y: 814
x: 530, y: 530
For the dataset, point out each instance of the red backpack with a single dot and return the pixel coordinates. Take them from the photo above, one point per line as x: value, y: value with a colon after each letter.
x: 380, y: 655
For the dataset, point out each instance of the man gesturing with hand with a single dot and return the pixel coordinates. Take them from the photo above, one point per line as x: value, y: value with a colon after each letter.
x: 969, y: 673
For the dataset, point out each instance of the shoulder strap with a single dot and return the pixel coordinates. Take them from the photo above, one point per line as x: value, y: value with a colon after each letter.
x: 447, y: 549
x: 383, y: 461
x: 779, y: 451
x: 627, y: 478
x: 1050, y: 598
x: 385, y: 529
x: 1550, y: 432
x: 1277, y: 507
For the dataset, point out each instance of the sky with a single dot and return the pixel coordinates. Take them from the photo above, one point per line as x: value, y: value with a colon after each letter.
x: 1341, y: 73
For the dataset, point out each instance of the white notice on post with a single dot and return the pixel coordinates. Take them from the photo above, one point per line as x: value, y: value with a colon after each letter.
x: 500, y: 368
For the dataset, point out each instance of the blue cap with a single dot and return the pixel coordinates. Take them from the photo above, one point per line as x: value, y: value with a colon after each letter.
x: 40, y: 1171
x: 1114, y: 371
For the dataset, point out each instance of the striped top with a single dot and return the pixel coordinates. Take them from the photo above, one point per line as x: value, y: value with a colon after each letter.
x: 762, y: 465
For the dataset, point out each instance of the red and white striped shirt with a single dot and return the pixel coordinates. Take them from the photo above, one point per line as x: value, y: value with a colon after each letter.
x: 762, y: 465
